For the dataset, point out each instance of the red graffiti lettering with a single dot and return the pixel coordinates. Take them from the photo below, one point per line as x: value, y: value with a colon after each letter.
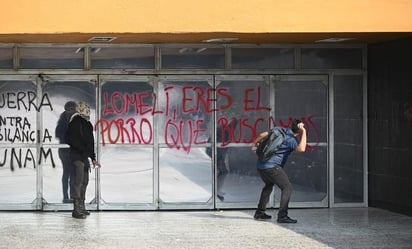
x: 119, y: 131
x: 187, y: 101
x: 194, y: 99
x: 253, y: 104
x: 228, y: 130
x: 186, y: 111
x: 183, y: 134
x: 223, y: 92
x: 119, y: 103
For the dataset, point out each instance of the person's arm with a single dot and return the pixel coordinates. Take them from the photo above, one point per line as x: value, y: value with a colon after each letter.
x: 90, y: 145
x: 303, y: 139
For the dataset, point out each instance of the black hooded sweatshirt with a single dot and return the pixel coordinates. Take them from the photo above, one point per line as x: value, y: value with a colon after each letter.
x: 81, y: 140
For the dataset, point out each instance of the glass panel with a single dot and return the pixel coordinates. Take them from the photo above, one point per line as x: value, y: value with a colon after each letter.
x: 263, y: 58
x: 18, y: 136
x: 111, y: 58
x: 17, y: 175
x: 19, y: 104
x: 185, y: 109
x: 348, y: 99
x: 6, y: 58
x: 241, y: 183
x: 305, y: 98
x: 127, y: 174
x: 193, y: 58
x: 51, y: 58
x: 331, y: 58
x: 62, y: 95
x: 243, y: 111
x: 127, y: 118
x: 184, y: 177
x: 58, y: 169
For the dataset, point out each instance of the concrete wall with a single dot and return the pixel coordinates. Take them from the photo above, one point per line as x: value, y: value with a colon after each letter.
x: 259, y: 16
x: 390, y: 125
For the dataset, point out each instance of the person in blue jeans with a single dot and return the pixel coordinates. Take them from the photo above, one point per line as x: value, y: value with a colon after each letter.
x: 272, y: 171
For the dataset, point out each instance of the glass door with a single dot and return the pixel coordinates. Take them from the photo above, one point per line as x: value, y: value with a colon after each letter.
x: 20, y: 104
x: 61, y: 93
x: 305, y: 97
x: 253, y: 104
x: 184, y: 118
x: 126, y: 135
x: 243, y: 111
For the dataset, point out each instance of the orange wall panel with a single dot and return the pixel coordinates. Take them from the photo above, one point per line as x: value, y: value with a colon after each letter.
x: 167, y: 16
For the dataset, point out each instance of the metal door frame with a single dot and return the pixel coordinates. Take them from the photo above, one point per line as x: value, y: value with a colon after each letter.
x: 40, y: 204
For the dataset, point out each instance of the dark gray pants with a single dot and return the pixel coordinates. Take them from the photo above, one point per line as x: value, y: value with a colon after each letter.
x: 270, y: 177
x: 81, y: 179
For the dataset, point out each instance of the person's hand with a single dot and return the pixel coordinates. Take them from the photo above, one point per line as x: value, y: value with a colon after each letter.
x: 96, y: 164
x: 301, y: 127
x: 254, y: 147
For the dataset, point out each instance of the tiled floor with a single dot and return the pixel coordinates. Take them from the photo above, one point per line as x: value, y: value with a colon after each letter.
x: 316, y: 228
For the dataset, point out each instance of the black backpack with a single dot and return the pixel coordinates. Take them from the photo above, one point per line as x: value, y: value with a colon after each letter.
x: 270, y: 144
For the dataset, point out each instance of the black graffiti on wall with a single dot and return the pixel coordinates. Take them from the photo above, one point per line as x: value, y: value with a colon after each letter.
x: 24, y: 101
x: 23, y: 158
x: 14, y: 134
x: 15, y: 127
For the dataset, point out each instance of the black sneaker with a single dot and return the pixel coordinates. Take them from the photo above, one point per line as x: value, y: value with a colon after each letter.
x: 286, y: 219
x: 259, y: 215
x: 78, y: 215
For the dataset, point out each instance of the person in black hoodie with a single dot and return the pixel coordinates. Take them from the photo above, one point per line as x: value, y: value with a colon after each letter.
x: 81, y: 141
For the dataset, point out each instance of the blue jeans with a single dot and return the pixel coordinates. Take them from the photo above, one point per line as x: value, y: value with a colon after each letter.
x: 270, y: 177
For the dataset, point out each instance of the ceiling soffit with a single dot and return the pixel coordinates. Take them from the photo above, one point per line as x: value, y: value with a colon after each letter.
x: 238, y: 38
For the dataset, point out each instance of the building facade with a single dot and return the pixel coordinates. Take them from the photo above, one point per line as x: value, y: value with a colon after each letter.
x: 175, y: 113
